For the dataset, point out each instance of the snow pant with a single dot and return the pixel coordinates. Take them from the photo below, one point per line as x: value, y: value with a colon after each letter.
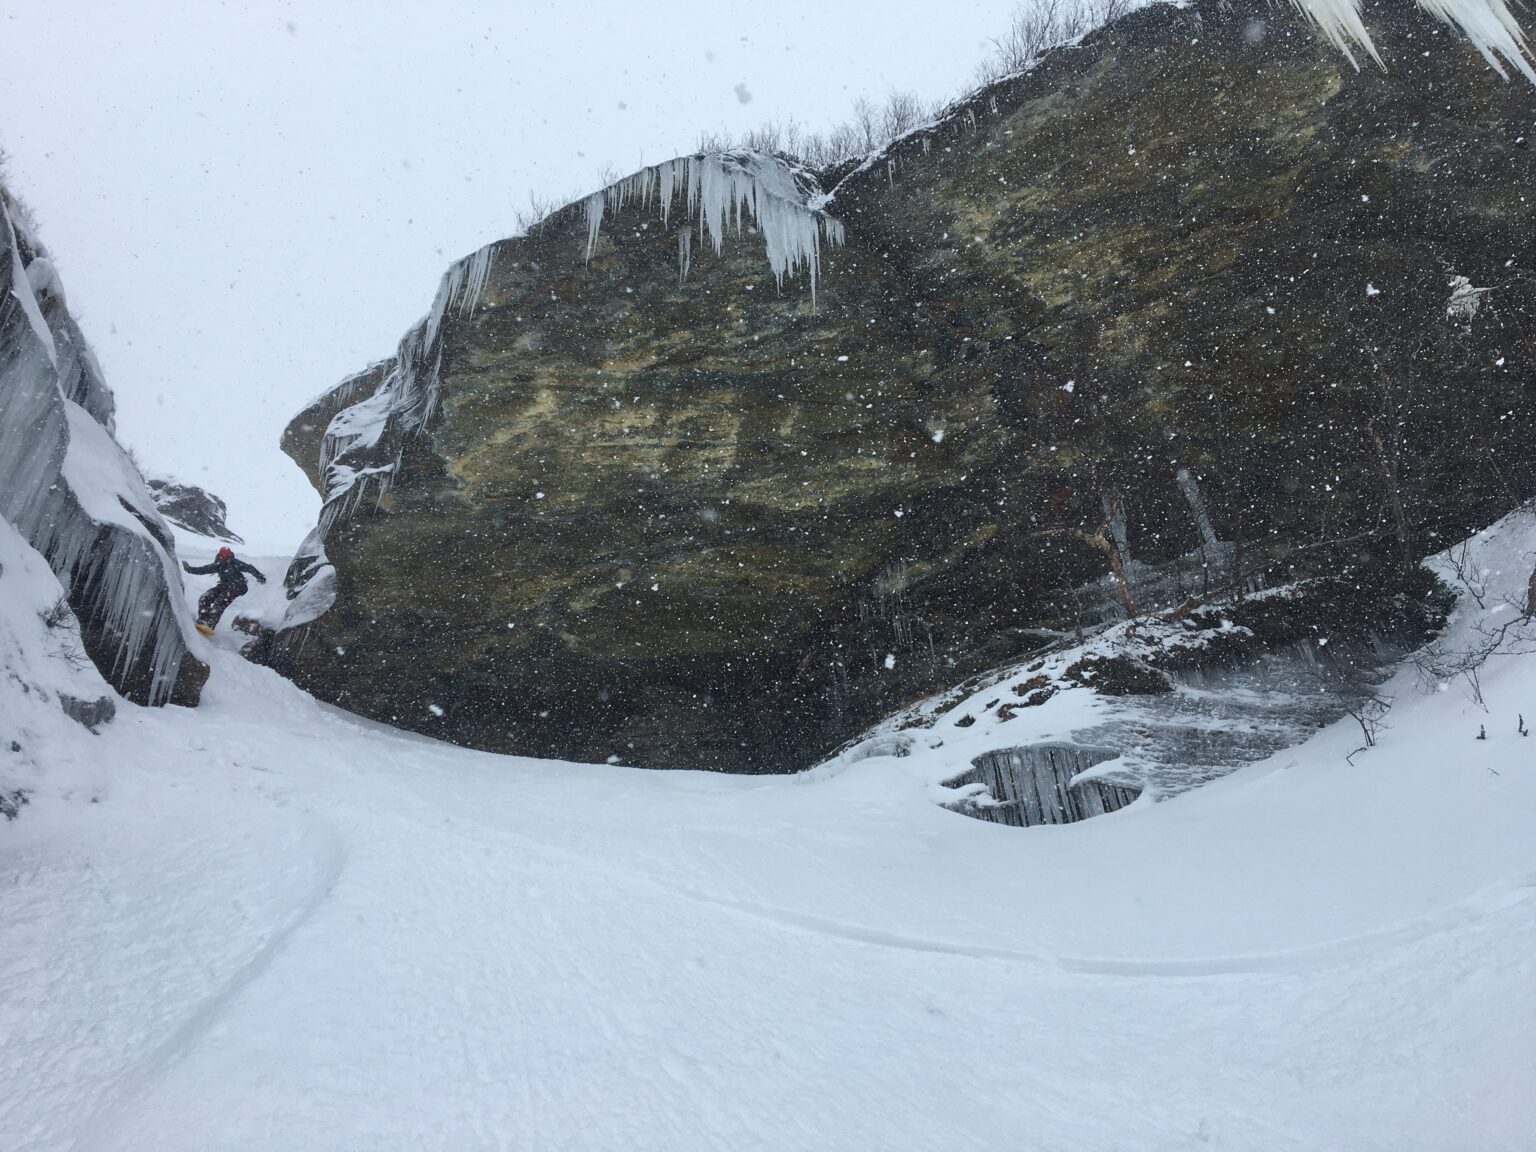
x: 211, y: 604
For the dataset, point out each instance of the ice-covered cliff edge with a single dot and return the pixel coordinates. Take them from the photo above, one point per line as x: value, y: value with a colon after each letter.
x: 73, y: 493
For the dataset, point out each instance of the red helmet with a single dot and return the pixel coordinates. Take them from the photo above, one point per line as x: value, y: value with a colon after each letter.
x: 226, y: 554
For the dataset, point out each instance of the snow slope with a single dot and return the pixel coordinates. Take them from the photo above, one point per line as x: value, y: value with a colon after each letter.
x: 282, y: 927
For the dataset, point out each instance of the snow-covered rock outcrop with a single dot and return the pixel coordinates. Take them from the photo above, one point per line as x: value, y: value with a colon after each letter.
x: 73, y: 493
x: 52, y: 698
x: 192, y: 509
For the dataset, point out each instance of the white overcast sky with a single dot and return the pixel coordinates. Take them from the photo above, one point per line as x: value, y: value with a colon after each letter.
x: 249, y: 200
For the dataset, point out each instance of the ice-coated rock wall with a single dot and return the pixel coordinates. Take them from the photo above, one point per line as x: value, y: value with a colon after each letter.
x: 73, y: 493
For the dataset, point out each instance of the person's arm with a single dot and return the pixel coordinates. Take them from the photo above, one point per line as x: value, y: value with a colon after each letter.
x: 205, y: 570
x: 253, y: 570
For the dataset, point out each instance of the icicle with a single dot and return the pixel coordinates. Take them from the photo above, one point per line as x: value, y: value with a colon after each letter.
x: 479, y: 271
x: 666, y: 184
x: 594, y: 209
x: 1488, y: 24
x: 1339, y: 21
x: 684, y: 254
x: 1191, y: 490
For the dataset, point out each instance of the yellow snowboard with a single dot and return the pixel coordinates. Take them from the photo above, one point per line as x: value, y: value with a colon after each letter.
x: 205, y: 629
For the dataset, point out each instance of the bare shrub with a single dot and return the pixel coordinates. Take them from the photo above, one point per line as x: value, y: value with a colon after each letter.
x: 1037, y: 26
x: 531, y: 217
x: 57, y: 614
x: 1440, y: 661
x: 1042, y: 25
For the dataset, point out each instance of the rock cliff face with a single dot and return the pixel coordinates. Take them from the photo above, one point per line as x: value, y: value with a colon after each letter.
x: 75, y: 496
x: 1194, y: 304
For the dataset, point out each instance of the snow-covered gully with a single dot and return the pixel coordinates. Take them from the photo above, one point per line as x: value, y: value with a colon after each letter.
x: 265, y: 924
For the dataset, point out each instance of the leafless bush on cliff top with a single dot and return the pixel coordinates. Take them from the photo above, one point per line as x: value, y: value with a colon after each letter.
x: 531, y: 216
x: 1036, y: 28
x: 869, y: 127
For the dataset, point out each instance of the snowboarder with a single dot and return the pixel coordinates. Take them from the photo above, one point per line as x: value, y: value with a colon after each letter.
x: 231, y: 585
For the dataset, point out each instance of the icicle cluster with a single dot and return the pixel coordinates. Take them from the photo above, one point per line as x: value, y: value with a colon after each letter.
x: 721, y: 190
x: 70, y: 489
x: 461, y: 289
x: 1488, y: 24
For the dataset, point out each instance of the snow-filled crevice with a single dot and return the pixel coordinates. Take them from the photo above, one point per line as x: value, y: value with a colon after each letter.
x: 1039, y: 784
x: 723, y: 192
x: 74, y: 495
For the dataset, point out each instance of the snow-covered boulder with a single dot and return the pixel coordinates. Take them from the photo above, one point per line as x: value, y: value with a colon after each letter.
x: 75, y: 495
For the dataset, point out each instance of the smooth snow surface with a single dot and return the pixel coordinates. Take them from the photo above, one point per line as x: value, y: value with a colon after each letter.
x: 265, y: 924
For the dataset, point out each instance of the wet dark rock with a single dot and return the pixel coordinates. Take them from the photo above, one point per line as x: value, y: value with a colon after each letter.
x: 12, y: 802
x: 259, y: 647
x: 90, y: 713
x: 1102, y: 335
x: 1119, y: 676
x: 1033, y: 692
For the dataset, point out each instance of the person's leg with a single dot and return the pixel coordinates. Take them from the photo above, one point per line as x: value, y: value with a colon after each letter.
x: 211, y: 607
x: 208, y: 608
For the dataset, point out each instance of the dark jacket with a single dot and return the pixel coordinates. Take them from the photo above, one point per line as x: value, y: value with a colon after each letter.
x: 230, y: 571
